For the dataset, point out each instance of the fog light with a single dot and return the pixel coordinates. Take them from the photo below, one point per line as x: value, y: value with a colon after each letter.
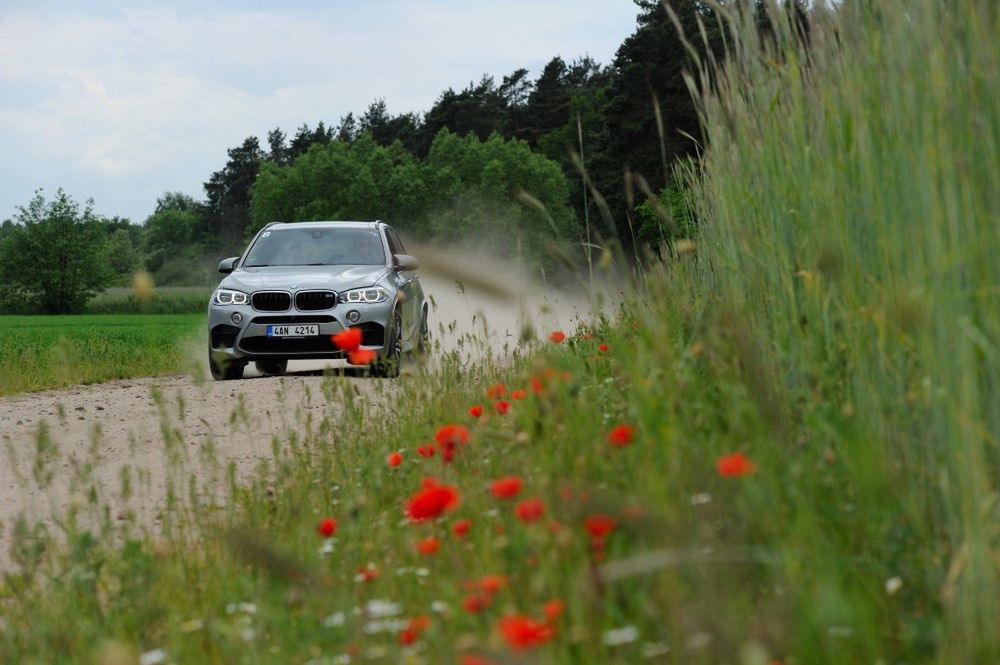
x: 353, y: 316
x: 236, y: 318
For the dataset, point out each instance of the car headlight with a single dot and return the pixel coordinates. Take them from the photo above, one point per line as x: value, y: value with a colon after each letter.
x: 370, y: 294
x: 227, y: 297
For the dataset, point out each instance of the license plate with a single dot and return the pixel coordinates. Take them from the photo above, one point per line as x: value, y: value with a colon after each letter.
x: 292, y: 331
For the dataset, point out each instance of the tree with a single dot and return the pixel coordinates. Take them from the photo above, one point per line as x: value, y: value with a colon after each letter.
x: 228, y: 194
x: 55, y: 258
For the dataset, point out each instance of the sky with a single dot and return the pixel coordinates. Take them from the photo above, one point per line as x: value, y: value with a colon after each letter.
x: 121, y: 102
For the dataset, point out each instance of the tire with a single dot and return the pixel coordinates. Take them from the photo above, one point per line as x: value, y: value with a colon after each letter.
x: 388, y: 367
x: 225, y: 370
x: 272, y: 367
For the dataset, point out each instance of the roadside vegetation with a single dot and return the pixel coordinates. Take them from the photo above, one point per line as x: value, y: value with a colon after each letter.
x: 43, y: 352
x: 782, y: 446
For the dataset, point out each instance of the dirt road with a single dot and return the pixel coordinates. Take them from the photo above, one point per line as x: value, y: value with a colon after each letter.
x: 107, y: 430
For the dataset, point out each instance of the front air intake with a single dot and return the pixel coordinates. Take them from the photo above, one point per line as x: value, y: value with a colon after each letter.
x: 308, y: 301
x: 272, y: 301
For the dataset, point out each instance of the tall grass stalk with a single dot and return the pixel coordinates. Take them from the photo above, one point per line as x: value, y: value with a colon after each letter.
x: 850, y: 201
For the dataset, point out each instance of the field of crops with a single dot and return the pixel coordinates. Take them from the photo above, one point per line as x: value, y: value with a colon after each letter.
x: 40, y: 352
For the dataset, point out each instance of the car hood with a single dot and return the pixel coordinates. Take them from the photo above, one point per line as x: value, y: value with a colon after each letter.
x: 303, y: 278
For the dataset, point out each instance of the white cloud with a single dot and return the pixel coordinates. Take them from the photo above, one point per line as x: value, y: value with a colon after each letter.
x: 137, y: 102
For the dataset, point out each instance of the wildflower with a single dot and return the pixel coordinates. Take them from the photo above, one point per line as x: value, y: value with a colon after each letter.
x: 429, y: 546
x: 620, y: 436
x: 394, y: 459
x: 522, y: 632
x: 519, y: 394
x: 530, y: 510
x: 431, y: 501
x: 360, y: 356
x: 367, y: 574
x: 736, y: 464
x: 603, y: 348
x: 537, y: 386
x: 476, y: 603
x: 492, y: 583
x: 496, y: 390
x: 553, y: 609
x: 460, y: 528
x: 449, y: 437
x: 599, y: 527
x: 502, y: 407
x: 476, y: 410
x: 327, y: 527
x: 470, y: 659
x: 506, y: 488
x: 413, y: 629
x: 426, y: 450
x: 554, y: 526
x: 347, y: 340
x: 557, y: 337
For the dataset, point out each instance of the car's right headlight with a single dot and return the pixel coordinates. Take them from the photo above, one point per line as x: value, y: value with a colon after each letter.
x: 227, y: 297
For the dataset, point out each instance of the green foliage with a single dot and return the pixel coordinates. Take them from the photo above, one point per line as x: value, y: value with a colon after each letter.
x: 55, y: 259
x: 463, y: 188
x: 164, y: 300
x: 42, y: 352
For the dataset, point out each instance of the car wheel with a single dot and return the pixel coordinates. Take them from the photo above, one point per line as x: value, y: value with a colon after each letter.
x: 272, y: 367
x: 388, y: 366
x: 225, y: 369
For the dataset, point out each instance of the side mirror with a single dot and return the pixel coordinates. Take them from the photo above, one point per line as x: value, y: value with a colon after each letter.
x: 226, y: 265
x: 405, y: 262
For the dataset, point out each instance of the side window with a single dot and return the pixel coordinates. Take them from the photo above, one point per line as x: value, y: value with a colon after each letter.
x: 395, y: 244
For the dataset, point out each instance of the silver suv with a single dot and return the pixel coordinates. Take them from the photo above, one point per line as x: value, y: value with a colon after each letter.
x: 299, y: 284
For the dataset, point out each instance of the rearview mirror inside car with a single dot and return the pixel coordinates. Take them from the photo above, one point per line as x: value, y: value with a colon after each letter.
x: 405, y: 262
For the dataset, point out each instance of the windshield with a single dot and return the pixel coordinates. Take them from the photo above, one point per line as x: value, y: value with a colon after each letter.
x: 316, y: 247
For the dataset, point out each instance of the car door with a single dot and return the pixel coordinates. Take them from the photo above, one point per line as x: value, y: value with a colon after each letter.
x: 406, y: 282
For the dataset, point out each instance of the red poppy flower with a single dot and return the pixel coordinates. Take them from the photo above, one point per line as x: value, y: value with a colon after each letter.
x: 502, y: 407
x: 736, y: 464
x: 599, y: 526
x: 460, y: 528
x: 476, y: 603
x: 429, y: 546
x: 492, y: 583
x: 522, y: 632
x: 431, y: 501
x: 360, y: 356
x: 470, y: 659
x: 554, y: 526
x: 620, y: 436
x: 557, y: 336
x: 553, y: 609
x: 537, y: 386
x: 530, y: 510
x: 519, y: 394
x: 496, y: 390
x: 602, y: 348
x: 394, y: 459
x: 476, y: 410
x: 413, y: 629
x: 327, y: 527
x: 449, y: 438
x: 506, y: 488
x: 426, y: 450
x: 347, y: 340
x: 366, y: 574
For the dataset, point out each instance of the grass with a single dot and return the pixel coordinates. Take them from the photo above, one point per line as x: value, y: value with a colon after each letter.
x: 42, y: 352
x: 162, y: 300
x: 836, y: 322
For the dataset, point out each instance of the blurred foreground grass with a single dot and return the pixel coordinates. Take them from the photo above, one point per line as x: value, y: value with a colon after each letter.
x: 835, y: 326
x: 42, y: 352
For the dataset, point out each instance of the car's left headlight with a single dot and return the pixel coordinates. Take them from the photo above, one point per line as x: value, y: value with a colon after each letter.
x: 369, y: 294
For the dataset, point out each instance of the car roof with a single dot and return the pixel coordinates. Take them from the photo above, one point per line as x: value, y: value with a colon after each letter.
x: 324, y: 224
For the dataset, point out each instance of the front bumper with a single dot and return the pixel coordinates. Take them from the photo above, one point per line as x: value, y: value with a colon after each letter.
x: 248, y: 340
